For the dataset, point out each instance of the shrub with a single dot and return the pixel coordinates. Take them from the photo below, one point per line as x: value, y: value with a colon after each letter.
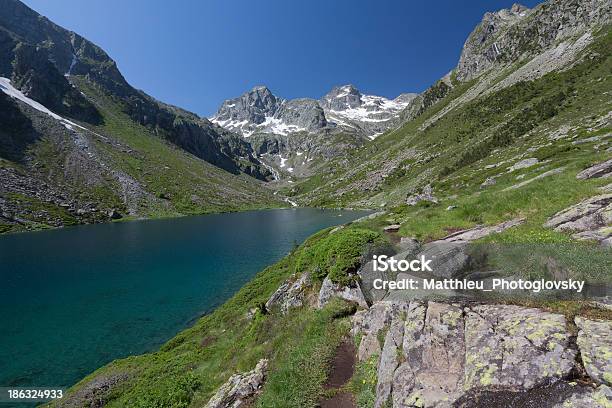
x: 338, y: 255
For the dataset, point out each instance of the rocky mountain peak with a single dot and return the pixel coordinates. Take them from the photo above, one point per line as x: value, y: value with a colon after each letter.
x: 344, y: 108
x: 341, y: 98
x: 244, y: 113
x: 508, y: 35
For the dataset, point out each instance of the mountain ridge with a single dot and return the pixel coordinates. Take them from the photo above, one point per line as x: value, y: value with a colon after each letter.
x: 260, y: 111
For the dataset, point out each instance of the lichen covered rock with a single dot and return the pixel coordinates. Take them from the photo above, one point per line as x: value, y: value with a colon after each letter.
x: 240, y: 389
x: 595, y: 343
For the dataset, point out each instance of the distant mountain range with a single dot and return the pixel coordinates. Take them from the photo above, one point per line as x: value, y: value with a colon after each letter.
x: 294, y: 137
x: 344, y: 109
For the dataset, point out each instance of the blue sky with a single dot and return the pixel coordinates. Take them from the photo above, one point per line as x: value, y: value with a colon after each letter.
x: 196, y: 53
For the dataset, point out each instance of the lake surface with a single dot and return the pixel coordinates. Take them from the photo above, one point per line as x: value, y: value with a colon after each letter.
x: 73, y: 299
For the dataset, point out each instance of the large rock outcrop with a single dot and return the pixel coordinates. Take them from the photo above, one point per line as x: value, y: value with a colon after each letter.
x: 435, y: 353
x: 330, y: 290
x: 290, y: 294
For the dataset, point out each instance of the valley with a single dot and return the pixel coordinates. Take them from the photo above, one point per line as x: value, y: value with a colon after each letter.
x: 498, y: 172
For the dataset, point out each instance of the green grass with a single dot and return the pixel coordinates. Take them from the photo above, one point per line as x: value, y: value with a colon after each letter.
x: 187, y: 184
x: 535, y: 202
x: 363, y: 383
x: 338, y: 255
x: 301, y: 366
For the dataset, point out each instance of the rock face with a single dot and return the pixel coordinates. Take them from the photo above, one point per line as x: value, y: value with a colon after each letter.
x: 500, y: 37
x: 347, y: 107
x: 591, y: 218
x: 597, y: 170
x: 435, y: 353
x: 261, y: 111
x: 290, y: 294
x: 240, y: 390
x: 448, y: 259
x: 287, y: 135
x: 595, y: 343
x: 601, y: 397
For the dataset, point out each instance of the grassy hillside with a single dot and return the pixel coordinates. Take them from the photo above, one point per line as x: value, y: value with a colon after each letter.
x: 81, y: 175
x: 560, y: 119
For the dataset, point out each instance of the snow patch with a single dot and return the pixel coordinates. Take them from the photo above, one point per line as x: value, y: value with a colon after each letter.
x: 7, y: 88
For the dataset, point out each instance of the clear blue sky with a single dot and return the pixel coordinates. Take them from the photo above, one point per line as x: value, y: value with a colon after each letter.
x: 196, y: 53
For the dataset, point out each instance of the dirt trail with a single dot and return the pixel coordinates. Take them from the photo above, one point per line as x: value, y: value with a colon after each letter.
x: 342, y: 370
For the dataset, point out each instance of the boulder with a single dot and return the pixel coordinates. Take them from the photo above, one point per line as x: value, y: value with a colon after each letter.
x: 595, y: 343
x: 329, y: 290
x: 601, y: 235
x: 523, y: 164
x: 240, y: 390
x: 114, y: 214
x: 426, y: 195
x: 409, y: 244
x: 392, y: 228
x: 603, y: 169
x: 367, y: 276
x: 490, y: 181
x: 449, y: 259
x: 290, y: 294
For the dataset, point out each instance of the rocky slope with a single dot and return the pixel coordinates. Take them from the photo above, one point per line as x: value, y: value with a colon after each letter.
x: 79, y: 144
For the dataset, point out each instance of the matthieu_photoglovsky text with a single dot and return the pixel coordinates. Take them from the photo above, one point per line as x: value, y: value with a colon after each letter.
x: 383, y: 263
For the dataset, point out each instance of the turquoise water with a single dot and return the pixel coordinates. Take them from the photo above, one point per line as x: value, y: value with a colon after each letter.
x: 71, y: 300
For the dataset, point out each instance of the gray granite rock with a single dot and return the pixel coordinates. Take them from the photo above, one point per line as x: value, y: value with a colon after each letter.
x: 592, y: 215
x: 595, y: 343
x: 600, y: 397
x: 603, y: 169
x: 523, y: 164
x: 482, y: 231
x: 240, y: 389
x: 290, y: 294
x: 329, y: 290
x: 435, y: 353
